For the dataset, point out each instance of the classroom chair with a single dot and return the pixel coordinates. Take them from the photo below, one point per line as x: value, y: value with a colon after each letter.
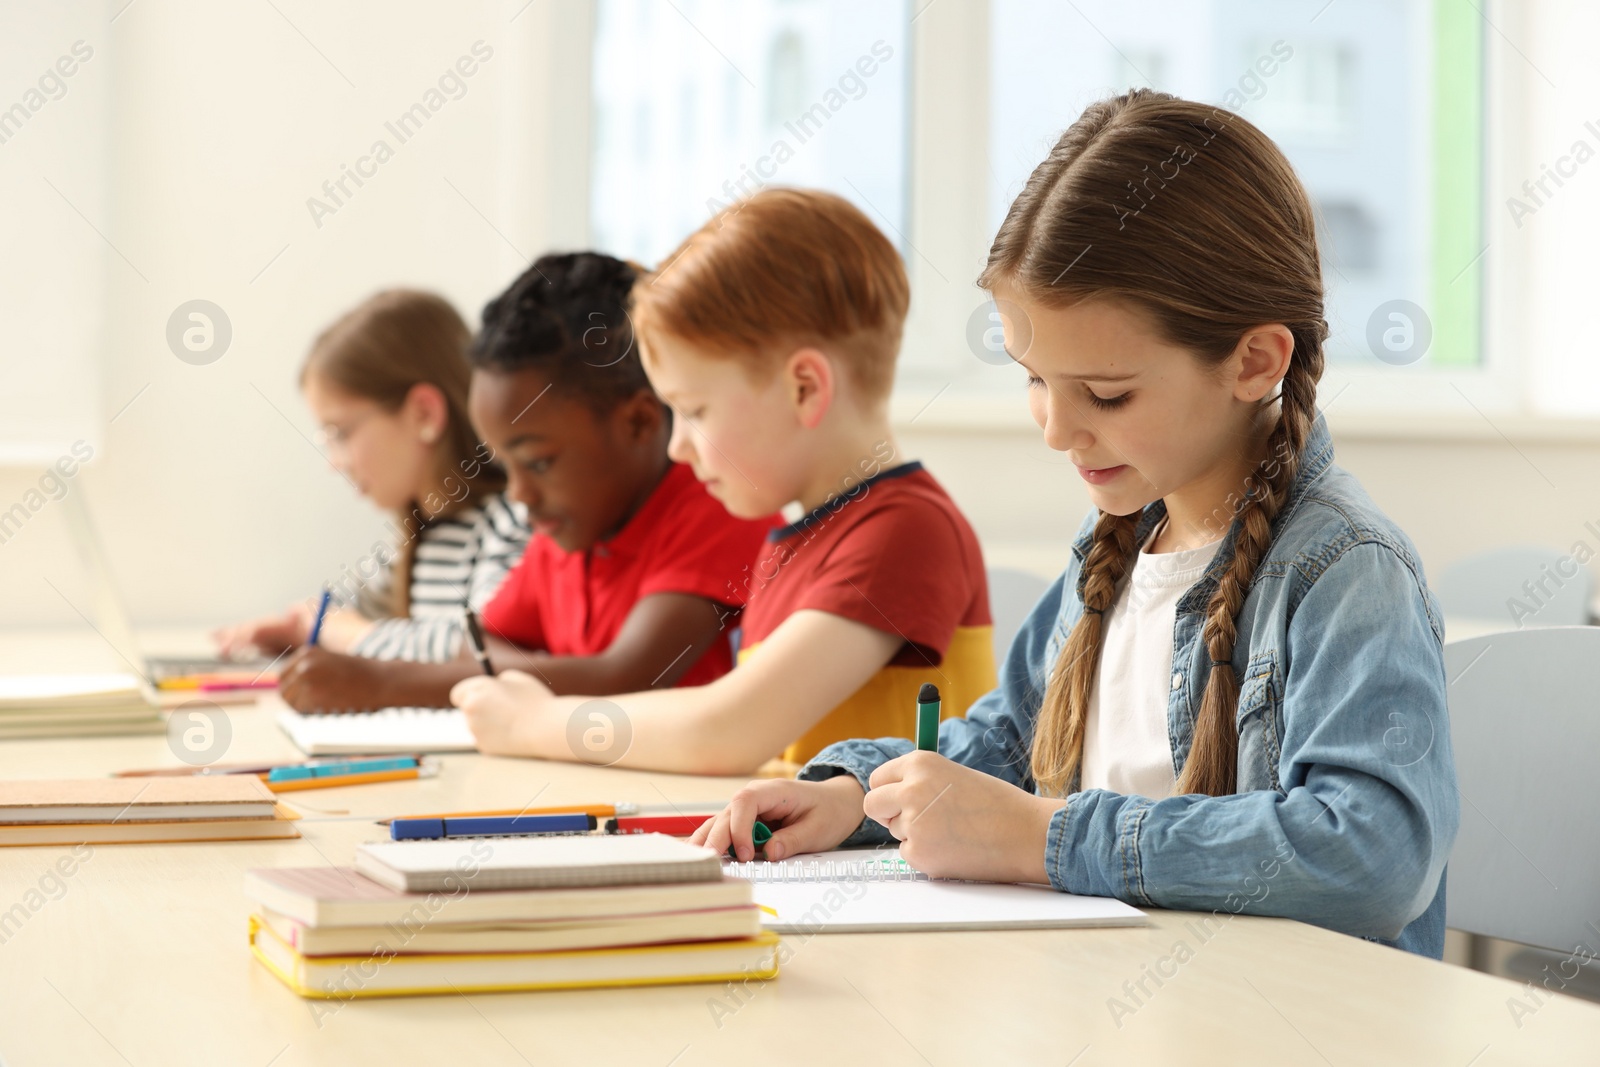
x: 1012, y: 594
x: 1517, y: 586
x: 1525, y: 727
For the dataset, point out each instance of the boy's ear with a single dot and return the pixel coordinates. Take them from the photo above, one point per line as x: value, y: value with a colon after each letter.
x: 1263, y: 354
x: 810, y: 382
x: 427, y: 409
x: 641, y: 415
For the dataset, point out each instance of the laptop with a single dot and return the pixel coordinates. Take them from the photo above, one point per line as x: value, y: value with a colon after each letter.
x: 108, y: 614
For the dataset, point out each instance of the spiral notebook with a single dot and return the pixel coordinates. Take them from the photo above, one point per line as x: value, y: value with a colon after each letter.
x: 374, y: 733
x: 862, y: 891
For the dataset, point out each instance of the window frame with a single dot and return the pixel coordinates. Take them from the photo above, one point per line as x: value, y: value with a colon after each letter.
x: 947, y: 235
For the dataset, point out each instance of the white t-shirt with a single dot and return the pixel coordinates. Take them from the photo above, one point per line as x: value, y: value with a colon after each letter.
x: 1126, y: 746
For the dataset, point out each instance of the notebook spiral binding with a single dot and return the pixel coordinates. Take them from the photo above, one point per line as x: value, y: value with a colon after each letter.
x: 821, y: 871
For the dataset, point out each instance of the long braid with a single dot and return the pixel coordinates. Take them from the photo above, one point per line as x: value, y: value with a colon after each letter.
x: 1065, y: 712
x: 1212, y: 764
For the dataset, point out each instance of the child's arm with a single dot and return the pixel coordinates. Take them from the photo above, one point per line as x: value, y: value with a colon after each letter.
x: 992, y: 738
x: 1355, y: 838
x: 343, y: 629
x: 804, y: 669
x: 278, y: 633
x: 662, y: 637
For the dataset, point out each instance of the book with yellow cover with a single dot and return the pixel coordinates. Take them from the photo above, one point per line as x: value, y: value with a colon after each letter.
x: 379, y: 975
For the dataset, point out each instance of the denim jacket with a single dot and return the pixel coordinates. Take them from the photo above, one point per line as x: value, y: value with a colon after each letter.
x: 1346, y: 805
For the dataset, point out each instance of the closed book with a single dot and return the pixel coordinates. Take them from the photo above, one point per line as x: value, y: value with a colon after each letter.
x: 88, y: 800
x: 76, y: 705
x: 150, y: 832
x: 539, y: 935
x: 342, y: 896
x: 380, y: 975
x: 537, y: 862
x: 41, y: 692
x: 78, y: 724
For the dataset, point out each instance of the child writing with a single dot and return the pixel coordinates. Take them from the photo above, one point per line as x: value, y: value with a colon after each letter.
x: 1234, y: 697
x: 388, y: 383
x: 773, y: 332
x: 629, y: 579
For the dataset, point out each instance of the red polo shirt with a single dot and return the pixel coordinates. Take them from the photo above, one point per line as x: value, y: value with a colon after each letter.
x: 680, y: 541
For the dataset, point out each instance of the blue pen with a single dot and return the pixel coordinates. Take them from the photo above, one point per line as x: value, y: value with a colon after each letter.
x: 322, y: 611
x: 484, y: 826
x: 330, y: 770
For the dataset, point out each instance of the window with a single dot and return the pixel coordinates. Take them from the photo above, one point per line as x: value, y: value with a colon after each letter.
x: 1384, y: 107
x: 698, y: 104
x: 1389, y: 148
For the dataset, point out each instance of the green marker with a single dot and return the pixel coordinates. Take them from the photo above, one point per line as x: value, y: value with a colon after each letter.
x: 759, y: 836
x: 928, y: 717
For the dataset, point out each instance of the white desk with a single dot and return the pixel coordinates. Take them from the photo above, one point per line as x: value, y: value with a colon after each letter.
x: 142, y: 960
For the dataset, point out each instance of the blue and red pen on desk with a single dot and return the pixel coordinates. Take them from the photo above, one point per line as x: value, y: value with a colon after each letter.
x: 436, y: 827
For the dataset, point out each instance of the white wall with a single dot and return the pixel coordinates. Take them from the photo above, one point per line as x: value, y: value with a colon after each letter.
x: 55, y: 105
x: 226, y: 119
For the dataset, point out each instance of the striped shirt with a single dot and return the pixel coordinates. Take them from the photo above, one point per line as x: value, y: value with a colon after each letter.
x: 460, y: 561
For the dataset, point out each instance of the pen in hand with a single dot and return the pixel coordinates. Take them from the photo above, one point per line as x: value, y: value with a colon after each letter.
x: 322, y: 613
x: 475, y: 639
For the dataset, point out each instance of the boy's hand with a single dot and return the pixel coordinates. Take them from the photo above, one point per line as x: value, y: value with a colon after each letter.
x: 816, y: 816
x: 955, y: 822
x: 315, y: 679
x: 502, y: 711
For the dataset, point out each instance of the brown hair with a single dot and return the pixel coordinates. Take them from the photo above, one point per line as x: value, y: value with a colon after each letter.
x: 1192, y: 215
x: 381, y: 349
x: 785, y: 267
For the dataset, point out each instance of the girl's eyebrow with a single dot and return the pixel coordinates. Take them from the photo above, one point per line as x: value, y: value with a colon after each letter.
x: 1079, y: 377
x: 1097, y: 377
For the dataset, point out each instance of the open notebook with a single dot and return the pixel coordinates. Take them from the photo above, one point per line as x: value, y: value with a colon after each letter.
x: 858, y: 891
x: 390, y: 730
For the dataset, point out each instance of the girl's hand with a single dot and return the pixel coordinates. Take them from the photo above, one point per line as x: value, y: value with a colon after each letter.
x: 505, y: 712
x: 341, y: 629
x: 315, y: 679
x: 955, y: 822
x: 270, y: 636
x: 815, y: 817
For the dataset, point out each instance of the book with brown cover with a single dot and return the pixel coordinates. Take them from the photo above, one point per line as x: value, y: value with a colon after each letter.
x: 121, y: 800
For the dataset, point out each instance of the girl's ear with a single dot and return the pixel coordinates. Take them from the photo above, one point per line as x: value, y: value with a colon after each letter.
x: 426, y: 410
x: 1263, y: 354
x: 810, y: 382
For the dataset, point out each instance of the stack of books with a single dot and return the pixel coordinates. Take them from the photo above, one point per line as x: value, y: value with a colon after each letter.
x: 74, y: 705
x: 108, y: 811
x: 500, y: 914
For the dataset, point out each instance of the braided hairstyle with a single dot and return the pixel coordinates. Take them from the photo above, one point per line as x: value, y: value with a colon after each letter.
x: 1191, y: 215
x: 567, y: 317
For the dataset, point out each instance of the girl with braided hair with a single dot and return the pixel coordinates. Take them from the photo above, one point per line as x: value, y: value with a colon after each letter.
x: 1233, y: 700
